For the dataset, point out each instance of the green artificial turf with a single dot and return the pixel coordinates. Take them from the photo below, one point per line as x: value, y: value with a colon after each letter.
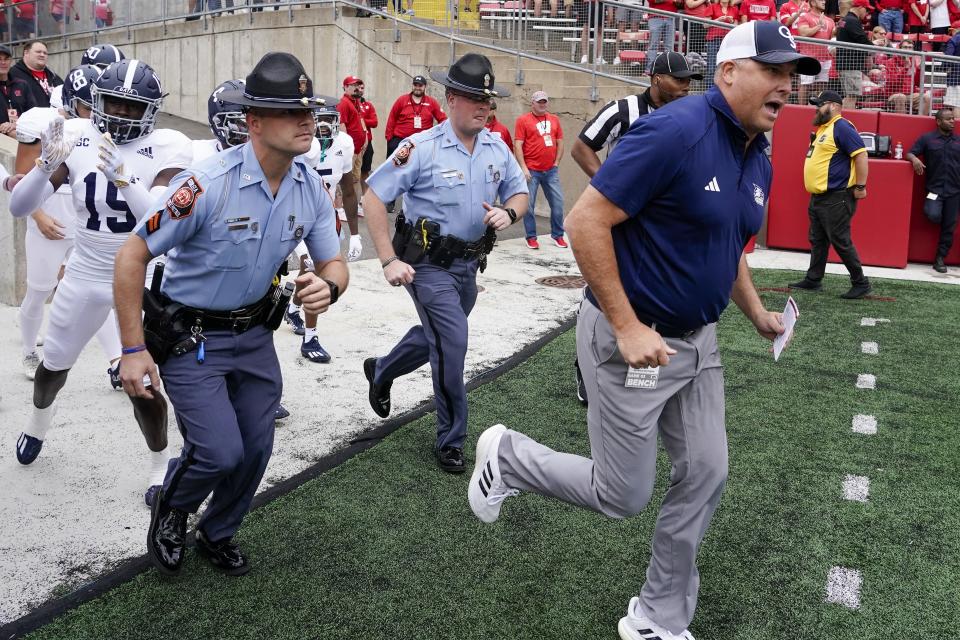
x: 385, y: 546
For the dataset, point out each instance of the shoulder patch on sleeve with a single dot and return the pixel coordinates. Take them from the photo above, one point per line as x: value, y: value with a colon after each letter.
x: 402, y: 155
x: 153, y: 222
x: 180, y: 204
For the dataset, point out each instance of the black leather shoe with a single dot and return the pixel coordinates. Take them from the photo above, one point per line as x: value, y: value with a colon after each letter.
x: 451, y: 459
x: 225, y: 555
x: 857, y: 291
x: 166, y: 536
x: 808, y: 285
x: 379, y: 393
x: 939, y: 267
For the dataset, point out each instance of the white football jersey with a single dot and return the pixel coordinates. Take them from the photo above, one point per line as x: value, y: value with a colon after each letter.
x: 332, y: 163
x: 203, y: 149
x: 59, y: 206
x: 103, y: 218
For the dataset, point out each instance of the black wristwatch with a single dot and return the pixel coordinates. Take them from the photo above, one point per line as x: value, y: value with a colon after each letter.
x: 512, y: 214
x: 334, y: 290
x: 860, y: 187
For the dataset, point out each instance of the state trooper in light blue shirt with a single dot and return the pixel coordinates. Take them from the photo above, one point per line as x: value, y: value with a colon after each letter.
x: 450, y: 177
x: 227, y: 225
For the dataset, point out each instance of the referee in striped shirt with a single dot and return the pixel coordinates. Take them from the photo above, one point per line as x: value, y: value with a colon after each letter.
x: 670, y: 80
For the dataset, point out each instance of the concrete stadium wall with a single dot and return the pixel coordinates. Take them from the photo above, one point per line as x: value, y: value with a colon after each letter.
x: 193, y: 57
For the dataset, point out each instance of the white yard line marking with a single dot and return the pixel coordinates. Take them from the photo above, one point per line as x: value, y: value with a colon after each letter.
x: 843, y: 587
x: 872, y: 322
x: 866, y: 381
x: 856, y: 488
x: 864, y: 424
x: 869, y: 348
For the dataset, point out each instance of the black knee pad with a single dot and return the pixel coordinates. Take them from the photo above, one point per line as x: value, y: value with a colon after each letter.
x: 46, y: 386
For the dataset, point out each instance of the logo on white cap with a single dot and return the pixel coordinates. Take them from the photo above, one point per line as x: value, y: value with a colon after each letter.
x: 785, y: 32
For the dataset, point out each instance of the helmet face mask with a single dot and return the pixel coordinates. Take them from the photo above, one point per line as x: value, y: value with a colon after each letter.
x: 227, y: 120
x: 328, y: 124
x: 118, y: 84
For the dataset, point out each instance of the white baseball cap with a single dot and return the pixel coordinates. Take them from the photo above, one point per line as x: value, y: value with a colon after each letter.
x: 769, y: 42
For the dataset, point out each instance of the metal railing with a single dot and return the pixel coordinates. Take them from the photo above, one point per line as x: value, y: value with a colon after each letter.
x: 614, y: 40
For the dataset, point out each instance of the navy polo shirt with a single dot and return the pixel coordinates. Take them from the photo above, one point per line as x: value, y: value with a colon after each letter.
x: 694, y: 194
x: 941, y: 154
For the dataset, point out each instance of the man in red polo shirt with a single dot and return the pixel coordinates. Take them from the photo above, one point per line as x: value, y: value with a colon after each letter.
x: 497, y: 128
x: 538, y: 146
x: 412, y: 113
x: 352, y: 123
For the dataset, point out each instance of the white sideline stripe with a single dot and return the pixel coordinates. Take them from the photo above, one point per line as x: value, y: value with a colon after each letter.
x: 864, y: 424
x: 871, y: 322
x: 856, y: 488
x: 866, y: 381
x: 843, y: 587
x: 869, y: 348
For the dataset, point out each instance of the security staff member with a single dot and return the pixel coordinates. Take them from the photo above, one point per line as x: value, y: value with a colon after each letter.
x: 233, y: 220
x: 835, y: 175
x: 659, y: 238
x: 941, y: 150
x: 412, y: 113
x: 448, y: 176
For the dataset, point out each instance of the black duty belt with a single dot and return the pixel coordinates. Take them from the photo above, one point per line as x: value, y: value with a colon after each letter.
x: 664, y: 330
x: 238, y: 320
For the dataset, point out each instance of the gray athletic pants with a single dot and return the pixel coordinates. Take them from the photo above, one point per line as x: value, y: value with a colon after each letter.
x: 687, y: 409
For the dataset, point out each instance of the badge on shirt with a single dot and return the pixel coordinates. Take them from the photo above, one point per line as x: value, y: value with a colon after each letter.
x: 417, y: 122
x: 645, y: 378
x: 180, y: 205
x: 299, y: 232
x: 12, y: 115
x: 402, y: 156
x: 153, y: 223
x: 547, y: 140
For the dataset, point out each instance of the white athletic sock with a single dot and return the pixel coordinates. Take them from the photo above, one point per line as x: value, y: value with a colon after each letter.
x: 40, y: 422
x: 293, y: 308
x: 158, y: 465
x: 31, y: 318
x: 309, y: 334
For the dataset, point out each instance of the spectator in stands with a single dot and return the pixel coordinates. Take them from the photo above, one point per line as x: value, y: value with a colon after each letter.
x: 902, y: 83
x: 370, y: 121
x: 835, y: 175
x: 590, y: 17
x: 101, y: 13
x: 60, y: 11
x: 891, y: 15
x: 815, y: 24
x: 790, y: 11
x: 918, y: 16
x: 662, y: 29
x: 33, y: 71
x: 538, y: 5
x: 538, y: 146
x: 352, y: 123
x: 850, y: 62
x: 15, y: 96
x: 952, y: 48
x: 696, y: 32
x: 939, y: 20
x: 627, y: 20
x: 941, y: 151
x: 412, y: 113
x: 670, y: 81
x: 726, y: 12
x: 24, y: 19
x: 398, y: 9
x: 497, y: 128
x: 751, y: 10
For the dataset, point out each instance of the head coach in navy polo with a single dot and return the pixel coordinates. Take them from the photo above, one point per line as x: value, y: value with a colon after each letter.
x: 659, y: 236
x: 450, y: 178
x: 228, y: 223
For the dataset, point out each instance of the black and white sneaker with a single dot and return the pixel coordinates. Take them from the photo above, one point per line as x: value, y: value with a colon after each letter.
x: 487, y: 492
x: 637, y: 626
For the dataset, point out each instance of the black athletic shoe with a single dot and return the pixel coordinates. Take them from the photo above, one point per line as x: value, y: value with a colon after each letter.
x: 225, y: 555
x: 281, y: 412
x: 581, y: 388
x: 166, y: 537
x: 450, y: 459
x: 857, y: 291
x: 379, y: 393
x: 808, y: 285
x: 939, y: 267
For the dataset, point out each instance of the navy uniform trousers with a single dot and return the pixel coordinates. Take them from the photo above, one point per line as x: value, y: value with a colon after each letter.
x: 224, y: 408
x: 444, y: 298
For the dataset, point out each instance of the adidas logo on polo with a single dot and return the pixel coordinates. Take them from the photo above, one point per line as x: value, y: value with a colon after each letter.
x: 146, y: 151
x: 712, y: 185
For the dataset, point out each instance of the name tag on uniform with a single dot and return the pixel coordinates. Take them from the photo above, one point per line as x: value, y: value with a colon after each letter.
x: 645, y: 378
x: 547, y: 141
x: 12, y: 115
x: 417, y: 122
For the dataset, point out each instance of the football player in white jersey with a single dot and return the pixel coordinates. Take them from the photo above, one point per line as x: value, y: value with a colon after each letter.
x: 99, y: 56
x: 331, y: 155
x: 113, y: 163
x: 51, y: 230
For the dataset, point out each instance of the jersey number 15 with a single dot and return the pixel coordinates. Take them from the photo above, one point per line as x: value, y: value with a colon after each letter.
x: 114, y: 222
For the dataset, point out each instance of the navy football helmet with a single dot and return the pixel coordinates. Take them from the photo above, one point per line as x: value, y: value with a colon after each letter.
x: 227, y: 121
x: 101, y: 56
x: 132, y: 82
x: 328, y: 124
x: 76, y: 88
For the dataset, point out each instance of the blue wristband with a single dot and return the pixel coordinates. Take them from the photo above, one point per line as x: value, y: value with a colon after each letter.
x: 137, y: 349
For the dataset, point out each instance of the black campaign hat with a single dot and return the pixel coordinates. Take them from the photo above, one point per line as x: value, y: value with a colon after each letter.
x: 278, y: 81
x: 473, y: 75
